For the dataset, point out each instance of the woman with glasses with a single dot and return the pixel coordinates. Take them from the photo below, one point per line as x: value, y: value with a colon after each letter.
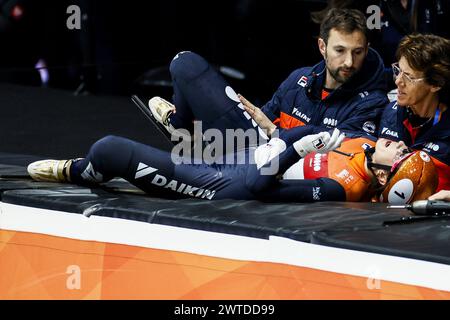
x: 420, y: 116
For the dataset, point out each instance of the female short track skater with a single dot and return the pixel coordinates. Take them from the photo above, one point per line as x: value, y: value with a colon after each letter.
x: 304, y: 171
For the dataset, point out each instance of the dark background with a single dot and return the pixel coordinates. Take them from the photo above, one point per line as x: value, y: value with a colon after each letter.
x: 120, y: 41
x: 125, y: 47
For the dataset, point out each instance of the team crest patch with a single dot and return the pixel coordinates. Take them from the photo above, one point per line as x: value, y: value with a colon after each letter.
x: 318, y: 144
x: 303, y: 81
x: 424, y: 156
x: 369, y: 127
x: 366, y: 146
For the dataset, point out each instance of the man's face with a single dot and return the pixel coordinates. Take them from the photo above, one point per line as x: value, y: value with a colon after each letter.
x: 344, y: 55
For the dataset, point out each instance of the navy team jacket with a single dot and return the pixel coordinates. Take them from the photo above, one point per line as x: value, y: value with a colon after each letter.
x: 356, y: 106
x: 435, y: 140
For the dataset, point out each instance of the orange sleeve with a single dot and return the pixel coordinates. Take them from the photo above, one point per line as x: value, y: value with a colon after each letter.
x: 288, y: 122
x: 350, y: 172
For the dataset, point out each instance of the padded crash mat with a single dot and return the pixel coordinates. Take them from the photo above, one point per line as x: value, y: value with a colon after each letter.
x: 357, y: 226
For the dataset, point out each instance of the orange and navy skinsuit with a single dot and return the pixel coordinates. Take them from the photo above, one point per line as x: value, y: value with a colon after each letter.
x: 433, y: 138
x: 348, y: 170
x: 322, y: 177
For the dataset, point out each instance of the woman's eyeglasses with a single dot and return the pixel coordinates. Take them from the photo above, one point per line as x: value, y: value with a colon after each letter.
x: 406, y: 78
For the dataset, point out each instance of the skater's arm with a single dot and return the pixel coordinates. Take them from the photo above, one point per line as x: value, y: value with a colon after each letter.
x: 272, y: 159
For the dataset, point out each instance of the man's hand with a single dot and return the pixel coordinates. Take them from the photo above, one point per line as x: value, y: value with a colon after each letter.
x: 322, y: 142
x: 260, y: 118
x: 441, y: 195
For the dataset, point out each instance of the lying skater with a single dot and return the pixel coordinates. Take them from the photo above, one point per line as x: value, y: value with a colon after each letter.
x: 307, y: 170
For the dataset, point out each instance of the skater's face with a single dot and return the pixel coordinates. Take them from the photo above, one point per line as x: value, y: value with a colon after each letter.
x: 344, y: 55
x: 387, y: 153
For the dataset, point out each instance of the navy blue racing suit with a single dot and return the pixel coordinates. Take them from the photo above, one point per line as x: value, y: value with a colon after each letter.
x: 200, y: 93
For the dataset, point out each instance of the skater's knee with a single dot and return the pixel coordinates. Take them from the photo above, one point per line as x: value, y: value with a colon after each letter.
x: 187, y: 65
x: 111, y: 146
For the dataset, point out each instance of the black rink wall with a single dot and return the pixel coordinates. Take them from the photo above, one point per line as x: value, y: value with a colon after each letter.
x: 55, y: 123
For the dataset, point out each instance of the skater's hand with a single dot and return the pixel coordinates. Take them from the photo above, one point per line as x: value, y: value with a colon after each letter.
x: 322, y: 142
x: 260, y: 118
x: 266, y: 152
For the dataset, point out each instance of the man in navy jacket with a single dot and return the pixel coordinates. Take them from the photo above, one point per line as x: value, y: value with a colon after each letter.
x: 346, y: 90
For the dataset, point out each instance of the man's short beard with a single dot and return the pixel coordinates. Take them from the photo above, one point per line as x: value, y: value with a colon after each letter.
x: 335, y: 73
x: 338, y: 78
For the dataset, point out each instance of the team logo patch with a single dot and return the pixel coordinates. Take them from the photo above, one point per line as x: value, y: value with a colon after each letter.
x: 432, y: 147
x: 366, y: 146
x: 233, y: 95
x: 369, y: 127
x: 330, y: 122
x: 318, y: 144
x: 303, y: 81
x: 144, y: 170
x: 302, y: 116
x: 316, y: 194
x: 90, y: 174
x: 424, y: 156
x: 363, y: 94
x: 388, y: 132
x: 317, y: 162
x: 344, y: 174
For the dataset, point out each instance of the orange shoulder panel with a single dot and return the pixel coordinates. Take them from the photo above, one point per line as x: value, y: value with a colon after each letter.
x: 287, y: 121
x: 349, y: 172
